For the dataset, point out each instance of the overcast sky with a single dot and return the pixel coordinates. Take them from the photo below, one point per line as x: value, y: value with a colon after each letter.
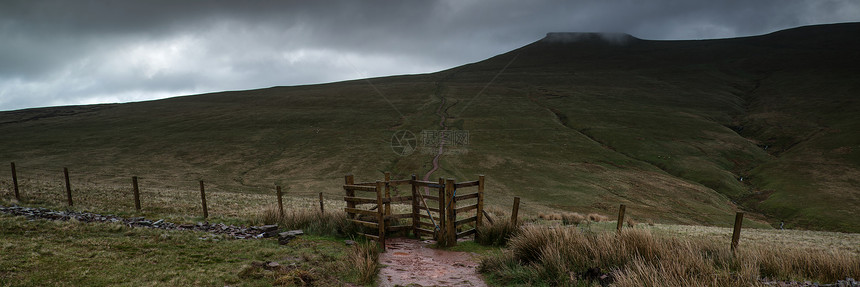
x: 81, y: 52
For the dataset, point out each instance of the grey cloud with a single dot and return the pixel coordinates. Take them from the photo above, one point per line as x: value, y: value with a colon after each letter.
x: 59, y: 51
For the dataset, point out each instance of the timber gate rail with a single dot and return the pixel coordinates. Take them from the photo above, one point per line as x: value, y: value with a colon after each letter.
x: 434, y: 215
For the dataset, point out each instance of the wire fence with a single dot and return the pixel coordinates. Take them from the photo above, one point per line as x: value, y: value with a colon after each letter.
x: 158, y: 193
x: 169, y: 192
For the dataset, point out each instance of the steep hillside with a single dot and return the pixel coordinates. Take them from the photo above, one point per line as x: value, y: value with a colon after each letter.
x: 680, y: 131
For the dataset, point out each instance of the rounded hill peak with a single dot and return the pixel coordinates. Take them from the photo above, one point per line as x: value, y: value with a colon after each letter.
x: 580, y: 37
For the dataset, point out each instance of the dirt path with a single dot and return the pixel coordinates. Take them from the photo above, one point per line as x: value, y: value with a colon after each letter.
x: 410, y: 262
x: 442, y: 115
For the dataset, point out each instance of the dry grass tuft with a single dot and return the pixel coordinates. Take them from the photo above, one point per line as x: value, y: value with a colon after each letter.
x: 551, y: 216
x: 496, y: 234
x: 496, y: 212
x: 363, y: 259
x: 800, y: 264
x: 296, y: 277
x: 594, y: 217
x: 630, y: 222
x: 268, y: 215
x: 572, y: 218
x: 564, y: 256
x: 311, y: 221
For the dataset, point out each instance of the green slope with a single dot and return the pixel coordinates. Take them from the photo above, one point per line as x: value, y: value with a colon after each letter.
x: 577, y: 122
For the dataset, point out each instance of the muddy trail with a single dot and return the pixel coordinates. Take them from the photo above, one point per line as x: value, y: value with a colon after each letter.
x: 411, y: 262
x: 441, y: 141
x: 442, y: 112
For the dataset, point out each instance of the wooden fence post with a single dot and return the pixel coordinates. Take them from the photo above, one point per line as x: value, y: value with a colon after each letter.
x: 68, y: 186
x: 136, y: 191
x: 415, y: 210
x: 443, y: 227
x: 203, y: 199
x: 515, y: 210
x: 349, y: 180
x: 387, y: 192
x: 736, y: 235
x: 280, y: 201
x: 380, y: 213
x: 620, y: 218
x: 322, y: 207
x: 15, y: 182
x: 480, y: 212
x: 450, y: 209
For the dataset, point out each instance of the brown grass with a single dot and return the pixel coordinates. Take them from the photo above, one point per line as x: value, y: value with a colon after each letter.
x: 495, y: 211
x: 594, y: 217
x: 572, y: 218
x: 630, y: 222
x: 363, y: 259
x: 562, y: 256
x: 496, y: 234
x: 551, y: 216
x: 803, y: 239
x: 311, y: 221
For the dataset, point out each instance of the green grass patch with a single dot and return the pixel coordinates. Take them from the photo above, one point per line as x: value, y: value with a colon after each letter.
x: 56, y: 253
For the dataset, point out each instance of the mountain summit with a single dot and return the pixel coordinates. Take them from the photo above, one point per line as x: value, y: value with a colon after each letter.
x: 679, y: 131
x: 611, y: 38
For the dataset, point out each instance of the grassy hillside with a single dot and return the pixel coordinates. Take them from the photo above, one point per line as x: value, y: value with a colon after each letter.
x: 576, y: 122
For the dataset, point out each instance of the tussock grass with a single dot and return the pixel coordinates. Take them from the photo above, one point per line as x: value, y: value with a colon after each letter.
x: 804, y: 239
x: 564, y: 256
x: 551, y: 216
x: 311, y: 221
x: 801, y: 264
x: 575, y: 218
x: 496, y: 211
x: 630, y: 222
x: 594, y: 217
x: 572, y: 218
x: 496, y: 234
x: 363, y: 259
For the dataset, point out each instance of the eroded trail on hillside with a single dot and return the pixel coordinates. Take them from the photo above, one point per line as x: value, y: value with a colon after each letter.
x: 441, y: 149
x: 442, y: 112
x: 410, y: 262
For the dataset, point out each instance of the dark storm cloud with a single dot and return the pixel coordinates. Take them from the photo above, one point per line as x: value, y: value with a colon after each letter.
x: 69, y: 52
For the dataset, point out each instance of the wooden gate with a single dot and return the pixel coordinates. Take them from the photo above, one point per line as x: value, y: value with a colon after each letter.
x: 433, y: 215
x: 365, y: 217
x: 456, y: 208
